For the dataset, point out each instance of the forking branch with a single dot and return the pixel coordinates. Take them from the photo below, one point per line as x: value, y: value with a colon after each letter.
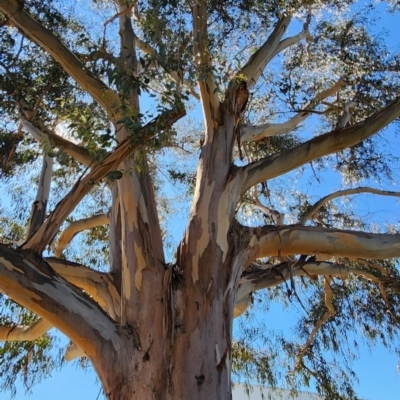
x: 258, y: 61
x: 78, y: 153
x: 259, y: 132
x: 42, y: 237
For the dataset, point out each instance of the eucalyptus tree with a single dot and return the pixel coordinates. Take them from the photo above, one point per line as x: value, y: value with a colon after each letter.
x: 98, y: 95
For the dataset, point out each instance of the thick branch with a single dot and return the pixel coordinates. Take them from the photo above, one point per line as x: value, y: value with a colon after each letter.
x: 36, y: 32
x: 78, y: 153
x: 259, y: 60
x: 76, y: 227
x: 31, y: 282
x: 290, y: 41
x: 272, y: 241
x: 98, y: 285
x: 39, y: 136
x: 279, y: 164
x: 47, y: 231
x: 259, y: 132
x: 38, y: 211
x: 310, y: 213
x: 22, y: 333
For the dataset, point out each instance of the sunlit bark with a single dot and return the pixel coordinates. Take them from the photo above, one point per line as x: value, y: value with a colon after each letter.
x: 259, y: 60
x: 296, y: 239
x: 21, y: 333
x: 73, y: 351
x: 99, y: 285
x: 31, y: 282
x: 206, y: 80
x: 38, y: 211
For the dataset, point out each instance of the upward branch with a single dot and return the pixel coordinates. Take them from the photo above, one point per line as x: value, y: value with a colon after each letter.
x: 205, y: 79
x: 36, y: 32
x: 331, y: 142
x: 146, y: 48
x: 259, y: 60
x: 76, y: 227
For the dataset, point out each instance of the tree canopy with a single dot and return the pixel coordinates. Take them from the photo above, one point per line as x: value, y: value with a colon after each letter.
x: 256, y: 128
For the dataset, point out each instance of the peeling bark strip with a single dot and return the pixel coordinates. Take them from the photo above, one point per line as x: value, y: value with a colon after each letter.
x: 38, y: 241
x: 99, y: 285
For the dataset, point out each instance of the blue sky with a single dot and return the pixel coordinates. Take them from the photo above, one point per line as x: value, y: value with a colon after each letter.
x: 376, y: 368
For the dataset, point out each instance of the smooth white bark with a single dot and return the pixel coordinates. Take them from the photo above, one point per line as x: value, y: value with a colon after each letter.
x: 259, y: 60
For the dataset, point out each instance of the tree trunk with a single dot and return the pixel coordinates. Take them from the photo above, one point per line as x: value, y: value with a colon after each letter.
x: 192, y: 358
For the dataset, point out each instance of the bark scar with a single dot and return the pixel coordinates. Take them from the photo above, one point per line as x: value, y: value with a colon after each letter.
x: 221, y: 364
